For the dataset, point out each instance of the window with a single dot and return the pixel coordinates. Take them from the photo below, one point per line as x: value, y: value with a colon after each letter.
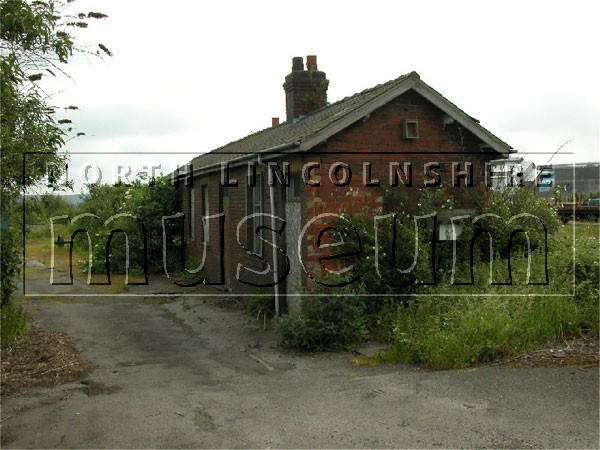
x: 191, y: 212
x: 254, y: 206
x: 410, y: 129
x: 205, y: 213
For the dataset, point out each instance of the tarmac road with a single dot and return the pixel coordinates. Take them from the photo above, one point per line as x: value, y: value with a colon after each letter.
x: 192, y: 374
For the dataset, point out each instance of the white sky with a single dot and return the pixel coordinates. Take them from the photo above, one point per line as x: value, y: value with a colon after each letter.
x: 190, y: 76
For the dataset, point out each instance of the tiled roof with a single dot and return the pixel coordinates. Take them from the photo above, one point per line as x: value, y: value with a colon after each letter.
x: 292, y: 134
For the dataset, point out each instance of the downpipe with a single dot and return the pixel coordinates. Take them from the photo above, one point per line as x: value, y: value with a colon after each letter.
x: 273, y: 225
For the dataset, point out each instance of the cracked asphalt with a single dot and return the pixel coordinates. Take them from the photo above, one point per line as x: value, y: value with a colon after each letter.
x: 195, y: 373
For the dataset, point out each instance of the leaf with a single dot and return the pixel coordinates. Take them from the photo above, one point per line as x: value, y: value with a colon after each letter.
x: 96, y: 15
x: 78, y: 24
x: 105, y: 50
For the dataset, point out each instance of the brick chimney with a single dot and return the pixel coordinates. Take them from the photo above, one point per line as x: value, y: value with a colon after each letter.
x: 305, y: 90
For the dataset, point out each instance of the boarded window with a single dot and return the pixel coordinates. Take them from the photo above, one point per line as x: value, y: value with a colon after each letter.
x: 254, y: 206
x: 191, y: 212
x: 205, y: 212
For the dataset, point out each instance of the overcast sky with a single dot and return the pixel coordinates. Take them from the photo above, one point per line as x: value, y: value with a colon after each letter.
x: 190, y: 76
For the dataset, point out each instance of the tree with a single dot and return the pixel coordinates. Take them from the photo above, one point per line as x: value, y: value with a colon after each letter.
x: 34, y: 42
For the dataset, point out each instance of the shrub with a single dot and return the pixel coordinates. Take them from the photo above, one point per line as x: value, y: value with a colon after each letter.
x: 324, y: 323
x: 511, y: 203
x: 38, y: 210
x: 10, y: 259
x: 148, y: 203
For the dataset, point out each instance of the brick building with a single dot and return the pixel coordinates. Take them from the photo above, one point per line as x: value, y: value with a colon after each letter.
x: 324, y: 159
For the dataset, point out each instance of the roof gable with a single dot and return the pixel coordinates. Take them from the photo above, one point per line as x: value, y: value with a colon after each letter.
x: 309, y: 131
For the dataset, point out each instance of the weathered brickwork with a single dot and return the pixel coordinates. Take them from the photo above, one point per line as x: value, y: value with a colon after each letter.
x: 376, y: 139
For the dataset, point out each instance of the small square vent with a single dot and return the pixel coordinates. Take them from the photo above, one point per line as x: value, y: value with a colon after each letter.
x: 410, y: 129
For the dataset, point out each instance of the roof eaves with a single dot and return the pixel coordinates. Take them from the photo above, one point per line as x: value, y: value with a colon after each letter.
x: 464, y: 119
x: 240, y: 159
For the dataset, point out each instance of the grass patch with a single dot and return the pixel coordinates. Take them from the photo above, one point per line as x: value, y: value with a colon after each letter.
x: 13, y: 322
x: 39, y: 247
x: 454, y: 331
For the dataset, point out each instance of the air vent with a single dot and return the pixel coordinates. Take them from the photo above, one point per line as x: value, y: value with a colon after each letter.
x: 410, y: 129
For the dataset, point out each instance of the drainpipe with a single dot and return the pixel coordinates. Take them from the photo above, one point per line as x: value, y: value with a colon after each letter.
x: 273, y: 224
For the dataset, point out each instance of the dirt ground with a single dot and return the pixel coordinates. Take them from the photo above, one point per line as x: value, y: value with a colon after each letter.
x: 196, y: 372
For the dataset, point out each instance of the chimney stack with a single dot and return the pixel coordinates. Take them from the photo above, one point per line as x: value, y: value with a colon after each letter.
x: 305, y: 90
x: 274, y: 121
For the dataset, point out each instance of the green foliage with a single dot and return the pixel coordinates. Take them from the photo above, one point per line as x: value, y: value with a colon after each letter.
x: 455, y: 332
x: 34, y: 42
x: 581, y: 270
x: 143, y: 206
x: 13, y: 323
x: 451, y: 329
x: 185, y: 275
x: 512, y: 203
x: 324, y: 322
x: 456, y: 325
x: 9, y: 264
x: 389, y: 246
x: 260, y: 303
x: 39, y: 210
x: 104, y: 200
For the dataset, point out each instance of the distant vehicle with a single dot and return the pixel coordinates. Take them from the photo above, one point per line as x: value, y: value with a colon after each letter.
x: 590, y: 210
x: 513, y: 173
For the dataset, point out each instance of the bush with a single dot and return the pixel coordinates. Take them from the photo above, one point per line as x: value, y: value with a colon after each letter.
x: 148, y: 203
x: 324, y: 323
x: 10, y: 260
x: 511, y: 203
x: 38, y: 210
x: 451, y: 328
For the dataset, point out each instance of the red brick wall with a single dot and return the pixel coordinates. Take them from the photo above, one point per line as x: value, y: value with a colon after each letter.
x: 377, y: 139
x: 237, y: 211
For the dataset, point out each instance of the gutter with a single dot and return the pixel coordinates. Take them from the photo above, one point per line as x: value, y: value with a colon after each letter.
x: 217, y: 166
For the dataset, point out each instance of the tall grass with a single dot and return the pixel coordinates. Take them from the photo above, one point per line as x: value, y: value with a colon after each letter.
x: 13, y: 323
x: 453, y: 329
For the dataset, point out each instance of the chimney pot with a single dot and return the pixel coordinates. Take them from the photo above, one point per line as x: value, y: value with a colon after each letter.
x: 305, y: 90
x: 297, y: 64
x: 311, y: 62
x: 274, y: 121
